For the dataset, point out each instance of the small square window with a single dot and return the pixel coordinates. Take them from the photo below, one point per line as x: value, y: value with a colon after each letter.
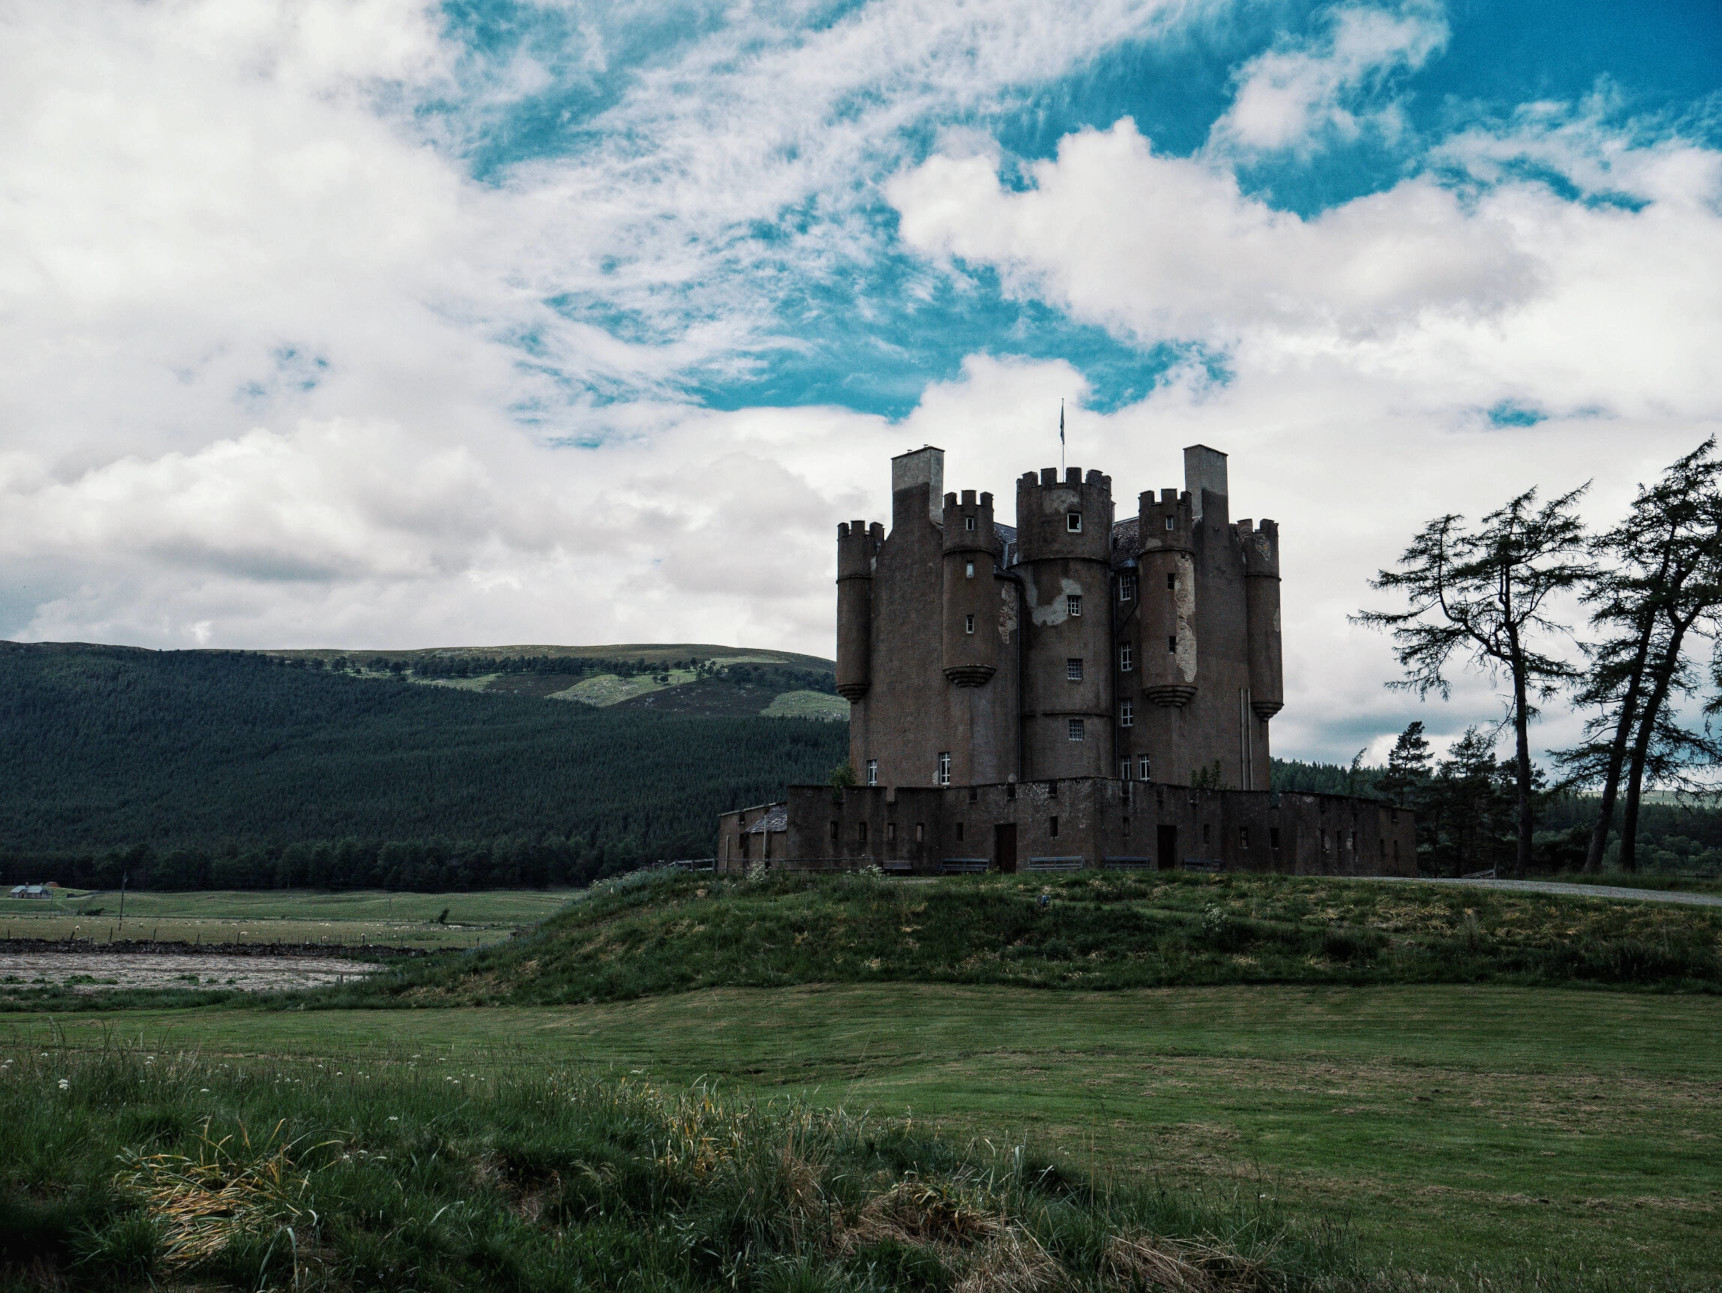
x: 1142, y: 767
x: 1073, y: 522
x: 1073, y: 669
x: 944, y: 768
x: 1076, y: 730
x: 872, y: 772
x: 1126, y: 587
x: 1052, y: 827
x: 1073, y: 606
x: 968, y: 624
x: 1126, y: 714
x: 968, y: 523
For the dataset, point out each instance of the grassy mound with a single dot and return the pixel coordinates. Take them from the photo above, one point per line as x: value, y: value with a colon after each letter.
x: 129, y: 1170
x: 666, y: 933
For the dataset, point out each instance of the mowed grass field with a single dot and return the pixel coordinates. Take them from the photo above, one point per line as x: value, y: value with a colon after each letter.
x: 349, y: 918
x: 1449, y: 1129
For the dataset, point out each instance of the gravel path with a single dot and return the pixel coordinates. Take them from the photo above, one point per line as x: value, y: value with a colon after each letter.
x: 1572, y: 890
x: 95, y: 971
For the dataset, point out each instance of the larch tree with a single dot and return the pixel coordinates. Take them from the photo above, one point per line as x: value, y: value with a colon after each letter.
x: 1487, y: 596
x: 1659, y: 581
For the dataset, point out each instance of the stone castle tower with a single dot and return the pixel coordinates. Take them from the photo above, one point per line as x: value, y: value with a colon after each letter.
x: 1073, y: 645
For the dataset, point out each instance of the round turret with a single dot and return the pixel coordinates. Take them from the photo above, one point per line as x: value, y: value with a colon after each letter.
x: 1262, y: 600
x: 1064, y: 560
x: 857, y: 545
x: 1166, y: 613
x: 970, y: 611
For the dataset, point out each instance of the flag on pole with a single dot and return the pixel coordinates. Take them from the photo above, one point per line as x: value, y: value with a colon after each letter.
x: 1061, y: 422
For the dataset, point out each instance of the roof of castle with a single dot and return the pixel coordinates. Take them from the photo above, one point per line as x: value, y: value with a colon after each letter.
x: 776, y: 819
x: 1124, y: 542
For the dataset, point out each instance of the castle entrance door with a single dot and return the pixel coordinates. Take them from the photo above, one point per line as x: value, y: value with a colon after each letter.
x: 1166, y: 848
x: 1004, y: 847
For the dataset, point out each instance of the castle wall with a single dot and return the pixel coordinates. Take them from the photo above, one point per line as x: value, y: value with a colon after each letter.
x: 1095, y: 823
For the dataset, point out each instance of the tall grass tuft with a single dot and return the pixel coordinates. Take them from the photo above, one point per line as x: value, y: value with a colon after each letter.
x: 389, y: 1173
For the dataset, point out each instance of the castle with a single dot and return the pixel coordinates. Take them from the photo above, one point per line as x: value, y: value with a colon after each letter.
x: 1076, y: 691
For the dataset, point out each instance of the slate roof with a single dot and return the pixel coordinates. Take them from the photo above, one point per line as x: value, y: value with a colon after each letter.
x: 776, y: 819
x: 1124, y: 545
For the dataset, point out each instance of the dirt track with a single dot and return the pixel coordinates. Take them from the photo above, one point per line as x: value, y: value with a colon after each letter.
x: 103, y: 971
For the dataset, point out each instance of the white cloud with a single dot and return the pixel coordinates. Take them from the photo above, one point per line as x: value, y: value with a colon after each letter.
x: 1303, y: 94
x: 1462, y: 299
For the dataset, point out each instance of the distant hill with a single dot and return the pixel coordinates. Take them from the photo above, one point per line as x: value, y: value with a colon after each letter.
x: 685, y: 678
x: 246, y: 769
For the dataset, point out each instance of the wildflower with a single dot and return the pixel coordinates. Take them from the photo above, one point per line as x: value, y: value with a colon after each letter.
x: 65, y: 1084
x: 394, y: 1117
x: 203, y: 1090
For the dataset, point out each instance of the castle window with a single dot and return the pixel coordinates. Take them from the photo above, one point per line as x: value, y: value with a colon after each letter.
x: 968, y: 523
x: 1207, y: 832
x: 1127, y: 826
x: 944, y: 777
x: 890, y: 832
x: 861, y: 835
x: 974, y: 794
x: 920, y: 832
x: 1124, y: 770
x: 968, y: 570
x: 1142, y: 767
x: 1052, y: 827
x: 1052, y: 789
x: 1325, y: 846
x: 1126, y: 714
x: 1171, y: 580
x: 1126, y: 587
x: 959, y: 832
x: 1073, y: 669
x: 1172, y: 645
x: 1243, y: 837
x: 1073, y: 606
x: 872, y: 772
x: 1171, y: 524
x: 1273, y: 837
x: 1073, y: 522
x: 968, y: 624
x: 1075, y: 730
x: 833, y: 833
x: 1126, y: 658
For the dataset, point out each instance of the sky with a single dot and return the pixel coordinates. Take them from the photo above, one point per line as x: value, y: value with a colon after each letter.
x: 382, y: 323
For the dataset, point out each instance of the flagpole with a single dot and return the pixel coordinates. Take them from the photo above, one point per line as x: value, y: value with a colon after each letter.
x: 1061, y: 439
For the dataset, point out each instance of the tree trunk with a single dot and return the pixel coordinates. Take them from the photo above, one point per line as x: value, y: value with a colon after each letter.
x: 1617, y: 759
x: 1522, y: 763
x: 1662, y: 674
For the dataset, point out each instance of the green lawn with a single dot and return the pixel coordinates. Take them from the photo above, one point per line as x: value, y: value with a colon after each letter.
x: 290, y: 916
x: 1450, y: 1126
